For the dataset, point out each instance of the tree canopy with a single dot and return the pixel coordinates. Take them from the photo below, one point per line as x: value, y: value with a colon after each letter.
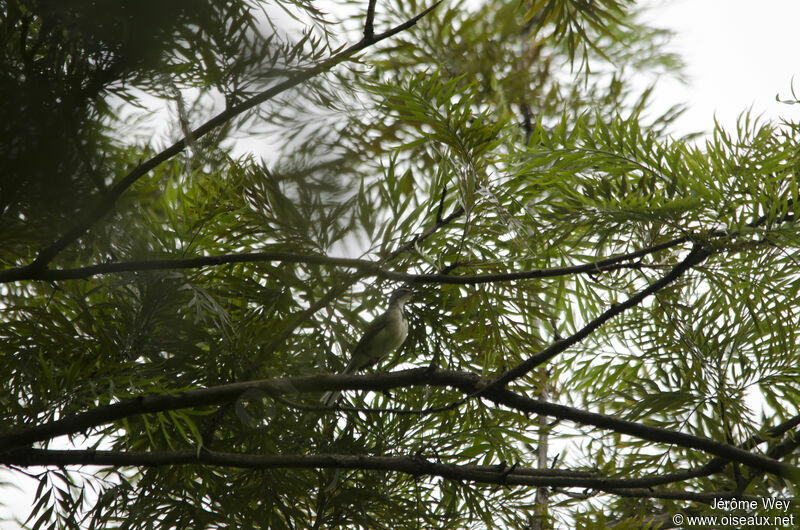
x: 203, y: 204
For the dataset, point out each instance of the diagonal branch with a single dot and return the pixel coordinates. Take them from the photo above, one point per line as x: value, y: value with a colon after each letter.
x: 639, y: 430
x: 717, y: 464
x: 786, y: 447
x: 695, y: 257
x: 46, y: 255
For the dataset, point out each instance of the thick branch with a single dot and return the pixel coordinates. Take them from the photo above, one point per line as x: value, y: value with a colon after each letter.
x: 412, y: 465
x: 415, y: 465
x: 645, y: 432
x: 466, y: 382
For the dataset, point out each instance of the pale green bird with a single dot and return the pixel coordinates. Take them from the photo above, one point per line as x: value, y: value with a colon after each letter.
x: 382, y: 337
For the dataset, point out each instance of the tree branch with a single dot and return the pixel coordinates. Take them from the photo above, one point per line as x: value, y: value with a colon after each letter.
x: 46, y: 255
x: 706, y: 498
x: 366, y: 267
x: 464, y: 381
x: 412, y: 465
x: 695, y: 257
x: 369, y: 28
x: 645, y: 432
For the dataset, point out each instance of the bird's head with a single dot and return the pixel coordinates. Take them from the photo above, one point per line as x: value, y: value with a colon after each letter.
x: 401, y: 296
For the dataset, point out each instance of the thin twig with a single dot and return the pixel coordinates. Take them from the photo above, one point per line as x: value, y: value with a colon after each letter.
x: 369, y: 29
x: 366, y: 267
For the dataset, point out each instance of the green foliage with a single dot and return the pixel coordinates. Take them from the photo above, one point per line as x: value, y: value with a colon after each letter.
x: 461, y: 145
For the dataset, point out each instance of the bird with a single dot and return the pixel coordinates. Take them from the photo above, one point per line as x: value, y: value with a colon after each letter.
x: 384, y: 335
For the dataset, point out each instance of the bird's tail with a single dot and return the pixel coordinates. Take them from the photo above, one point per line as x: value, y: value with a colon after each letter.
x: 330, y: 398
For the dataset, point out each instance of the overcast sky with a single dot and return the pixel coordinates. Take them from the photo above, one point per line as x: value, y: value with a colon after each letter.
x: 739, y: 54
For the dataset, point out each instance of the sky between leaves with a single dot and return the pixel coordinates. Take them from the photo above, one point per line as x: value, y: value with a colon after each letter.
x: 738, y: 54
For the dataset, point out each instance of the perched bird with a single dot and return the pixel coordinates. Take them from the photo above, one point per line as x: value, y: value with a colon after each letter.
x: 382, y: 337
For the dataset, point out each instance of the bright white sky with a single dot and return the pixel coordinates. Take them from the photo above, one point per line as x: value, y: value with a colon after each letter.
x: 739, y: 54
